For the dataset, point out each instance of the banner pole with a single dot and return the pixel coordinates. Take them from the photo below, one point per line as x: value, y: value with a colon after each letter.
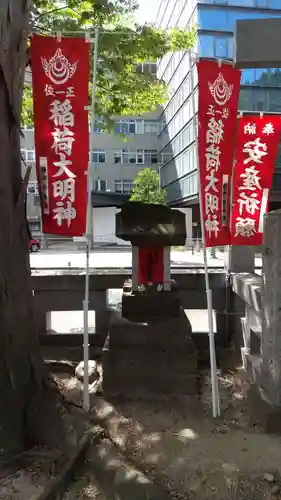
x: 214, y: 378
x: 89, y: 232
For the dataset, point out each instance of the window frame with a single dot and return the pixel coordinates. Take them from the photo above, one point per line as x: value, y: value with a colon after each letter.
x: 98, y: 185
x: 136, y: 157
x: 98, y: 152
x: 122, y: 183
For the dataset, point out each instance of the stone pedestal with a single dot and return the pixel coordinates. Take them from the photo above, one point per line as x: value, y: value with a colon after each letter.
x: 143, y: 306
x: 149, y: 349
x: 238, y: 259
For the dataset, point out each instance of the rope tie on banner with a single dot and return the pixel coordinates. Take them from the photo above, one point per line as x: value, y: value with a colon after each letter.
x: 58, y: 36
x: 261, y: 114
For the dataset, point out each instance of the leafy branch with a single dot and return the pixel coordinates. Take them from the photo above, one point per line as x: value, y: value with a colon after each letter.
x: 121, y: 88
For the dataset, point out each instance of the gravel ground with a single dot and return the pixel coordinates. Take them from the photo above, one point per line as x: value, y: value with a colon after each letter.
x: 27, y: 478
x: 177, y: 444
x: 84, y: 488
x: 194, y: 455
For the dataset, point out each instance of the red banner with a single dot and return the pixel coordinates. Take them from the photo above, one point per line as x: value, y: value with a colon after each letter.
x: 256, y: 152
x: 60, y: 77
x: 217, y: 114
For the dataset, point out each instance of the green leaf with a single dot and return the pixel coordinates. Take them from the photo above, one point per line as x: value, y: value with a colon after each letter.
x: 121, y: 89
x: 147, y: 188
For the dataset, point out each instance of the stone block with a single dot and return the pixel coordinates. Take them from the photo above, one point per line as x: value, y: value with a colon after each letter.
x: 149, y: 224
x: 268, y: 415
x: 167, y: 333
x: 134, y: 373
x: 138, y: 306
x: 271, y: 309
x: 158, y: 358
x: 148, y: 353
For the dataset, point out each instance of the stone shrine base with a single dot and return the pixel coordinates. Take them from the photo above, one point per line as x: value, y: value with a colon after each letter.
x: 142, y: 359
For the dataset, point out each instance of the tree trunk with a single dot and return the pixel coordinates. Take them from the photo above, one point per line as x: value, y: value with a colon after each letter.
x: 25, y: 396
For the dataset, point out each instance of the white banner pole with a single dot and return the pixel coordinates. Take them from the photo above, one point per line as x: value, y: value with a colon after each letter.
x: 214, y: 378
x: 89, y: 232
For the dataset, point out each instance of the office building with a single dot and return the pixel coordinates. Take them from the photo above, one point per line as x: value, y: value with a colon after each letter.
x: 260, y: 89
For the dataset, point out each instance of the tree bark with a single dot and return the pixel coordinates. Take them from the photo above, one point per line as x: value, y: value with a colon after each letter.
x: 24, y: 394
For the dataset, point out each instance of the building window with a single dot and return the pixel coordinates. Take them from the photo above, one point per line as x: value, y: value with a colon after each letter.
x: 275, y: 100
x: 99, y: 125
x: 123, y: 186
x: 37, y: 200
x: 278, y: 159
x: 276, y: 181
x: 125, y: 127
x: 34, y: 225
x: 117, y: 156
x: 246, y: 99
x: 127, y: 186
x: 98, y: 156
x: 97, y: 128
x: 151, y: 127
x: 216, y: 46
x: 30, y: 155
x: 150, y: 156
x: 263, y: 77
x: 140, y: 156
x: 100, y: 185
x: 132, y: 157
x: 165, y: 158
x: 32, y: 187
x: 132, y: 127
x: 261, y: 99
x: 274, y: 4
x: 148, y: 68
x: 221, y: 47
x: 224, y: 19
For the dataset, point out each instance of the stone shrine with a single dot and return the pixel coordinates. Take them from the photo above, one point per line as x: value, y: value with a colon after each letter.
x: 149, y: 349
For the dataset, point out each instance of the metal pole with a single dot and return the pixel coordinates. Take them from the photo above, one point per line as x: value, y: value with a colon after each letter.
x: 214, y: 378
x: 89, y: 231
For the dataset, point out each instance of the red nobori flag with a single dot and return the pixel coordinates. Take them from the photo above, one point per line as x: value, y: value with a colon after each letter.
x: 217, y: 115
x: 256, y: 152
x: 60, y: 76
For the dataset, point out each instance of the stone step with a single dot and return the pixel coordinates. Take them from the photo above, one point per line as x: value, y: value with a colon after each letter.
x: 162, y: 334
x: 245, y: 333
x: 134, y: 371
x: 251, y: 337
x: 251, y: 364
x: 253, y: 320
